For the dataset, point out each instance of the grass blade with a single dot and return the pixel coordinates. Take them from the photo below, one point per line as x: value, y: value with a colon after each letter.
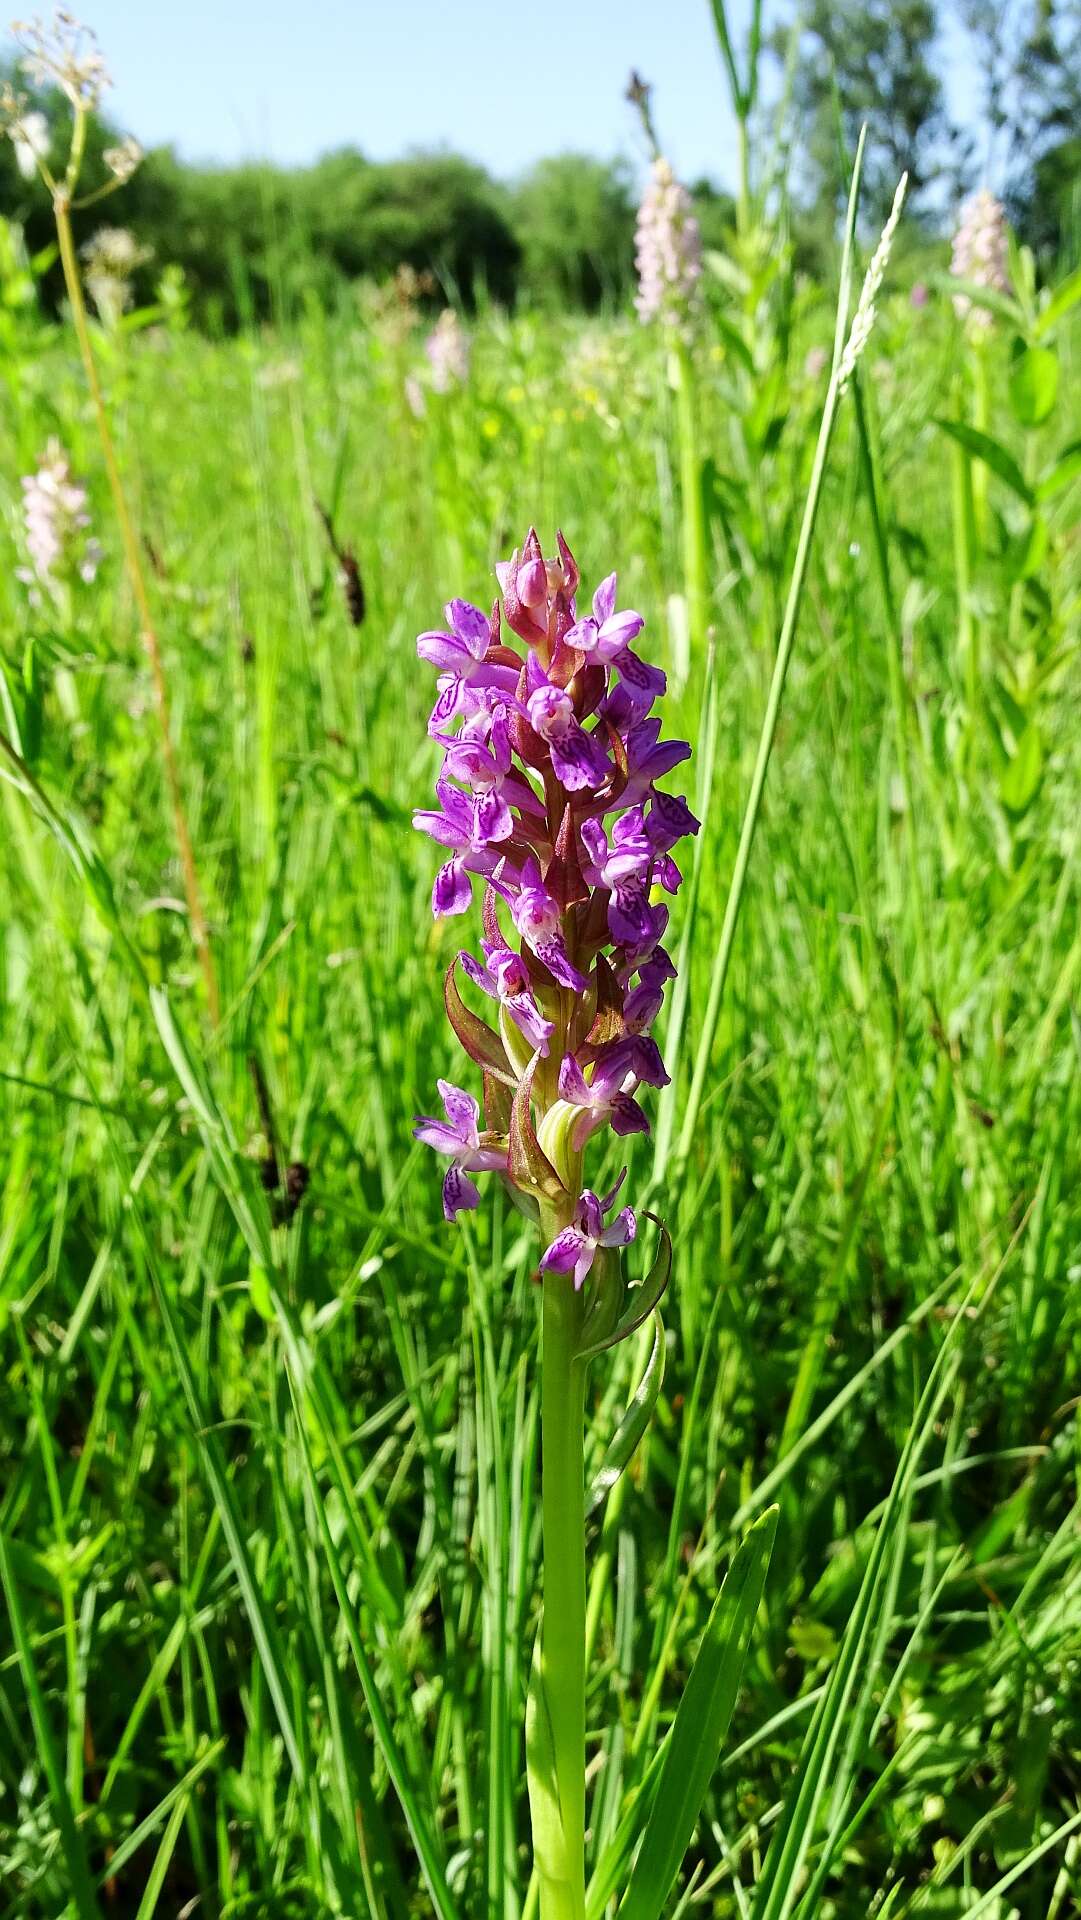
x: 621, y: 1448
x: 700, y: 1725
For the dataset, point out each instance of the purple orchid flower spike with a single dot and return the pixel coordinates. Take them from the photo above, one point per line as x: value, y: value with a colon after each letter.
x: 463, y: 651
x: 670, y: 820
x: 466, y: 673
x: 551, y: 792
x: 578, y: 758
x: 648, y: 759
x: 605, y: 634
x: 624, y: 869
x: 643, y: 1002
x: 481, y: 757
x: 574, y: 1250
x: 459, y: 1137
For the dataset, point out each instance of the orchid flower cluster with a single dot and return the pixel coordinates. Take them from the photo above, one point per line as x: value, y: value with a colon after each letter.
x: 55, y: 526
x: 549, y: 796
x: 668, y: 250
x: 980, y: 255
x: 448, y: 352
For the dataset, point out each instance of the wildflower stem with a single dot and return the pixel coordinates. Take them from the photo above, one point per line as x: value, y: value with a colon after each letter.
x: 899, y: 695
x: 694, y: 524
x: 789, y: 624
x: 743, y: 203
x: 133, y: 563
x: 981, y: 420
x: 758, y: 780
x: 964, y: 543
x: 556, y: 1747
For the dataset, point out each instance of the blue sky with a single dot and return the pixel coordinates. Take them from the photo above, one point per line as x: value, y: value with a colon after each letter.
x: 502, y: 82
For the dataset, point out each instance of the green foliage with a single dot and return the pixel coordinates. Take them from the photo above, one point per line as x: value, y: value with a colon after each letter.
x: 434, y: 212
x: 576, y: 219
x: 873, y: 62
x: 691, y: 1751
x: 1050, y: 210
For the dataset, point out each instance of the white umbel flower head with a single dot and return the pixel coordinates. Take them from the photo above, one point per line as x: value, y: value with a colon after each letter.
x: 110, y: 258
x: 55, y: 522
x: 65, y: 54
x: 30, y: 139
x: 447, y: 348
x: 122, y: 160
x: 980, y: 255
x: 668, y: 250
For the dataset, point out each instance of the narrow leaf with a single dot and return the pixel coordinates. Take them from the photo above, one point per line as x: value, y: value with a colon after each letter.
x: 985, y: 297
x: 624, y: 1442
x: 1021, y: 780
x: 702, y: 1720
x: 991, y: 452
x: 71, y: 1839
x: 1060, y: 304
x: 1061, y: 472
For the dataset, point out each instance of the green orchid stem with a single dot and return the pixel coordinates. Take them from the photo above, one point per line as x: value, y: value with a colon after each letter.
x: 981, y: 420
x: 557, y: 1734
x: 694, y: 519
x: 743, y: 203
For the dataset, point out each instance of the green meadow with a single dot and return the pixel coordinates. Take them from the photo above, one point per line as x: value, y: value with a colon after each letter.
x: 270, y: 1459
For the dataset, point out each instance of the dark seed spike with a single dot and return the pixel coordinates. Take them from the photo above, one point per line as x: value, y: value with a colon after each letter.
x: 353, y: 587
x: 352, y: 584
x: 297, y: 1177
x: 270, y: 1165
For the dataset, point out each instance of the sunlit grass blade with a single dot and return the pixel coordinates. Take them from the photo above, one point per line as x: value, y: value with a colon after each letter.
x: 624, y: 1442
x: 722, y: 958
x: 698, y: 1730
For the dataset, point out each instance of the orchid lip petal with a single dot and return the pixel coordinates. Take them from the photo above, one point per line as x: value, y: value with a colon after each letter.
x: 583, y: 1265
x: 460, y: 1195
x: 563, y: 1254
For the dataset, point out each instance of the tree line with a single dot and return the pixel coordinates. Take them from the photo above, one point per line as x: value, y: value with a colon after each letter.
x: 256, y: 240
